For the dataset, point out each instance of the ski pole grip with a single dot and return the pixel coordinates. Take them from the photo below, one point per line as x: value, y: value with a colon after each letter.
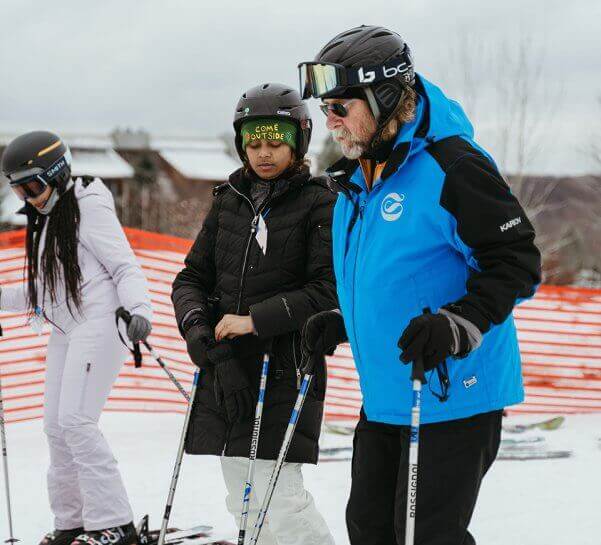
x: 417, y: 371
x: 308, y: 367
x: 123, y: 315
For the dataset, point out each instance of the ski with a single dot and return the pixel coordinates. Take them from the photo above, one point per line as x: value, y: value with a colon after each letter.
x: 185, y: 536
x: 533, y: 454
x: 339, y: 429
x: 509, y: 443
x: 174, y: 536
x: 328, y: 459
x: 201, y: 540
x: 527, y: 443
x: 548, y: 425
x: 334, y: 450
x: 504, y: 454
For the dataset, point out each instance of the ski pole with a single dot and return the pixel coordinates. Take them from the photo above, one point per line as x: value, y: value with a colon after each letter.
x: 178, y: 461
x: 417, y: 378
x: 126, y: 317
x: 298, y: 405
x: 11, y: 538
x: 254, y: 444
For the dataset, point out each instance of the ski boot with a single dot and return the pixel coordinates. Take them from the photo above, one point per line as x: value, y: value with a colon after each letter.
x: 119, y: 535
x: 61, y: 537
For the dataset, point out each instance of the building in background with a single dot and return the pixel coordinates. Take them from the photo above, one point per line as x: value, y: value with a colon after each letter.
x: 162, y: 185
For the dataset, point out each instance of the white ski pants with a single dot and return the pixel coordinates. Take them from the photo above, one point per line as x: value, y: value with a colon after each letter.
x: 292, y: 519
x: 84, y: 484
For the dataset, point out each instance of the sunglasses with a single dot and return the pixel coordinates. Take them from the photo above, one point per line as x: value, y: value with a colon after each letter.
x: 339, y: 109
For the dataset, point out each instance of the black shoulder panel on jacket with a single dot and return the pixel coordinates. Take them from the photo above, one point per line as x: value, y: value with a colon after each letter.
x: 493, y: 226
x: 220, y: 188
x: 321, y: 181
x: 449, y: 151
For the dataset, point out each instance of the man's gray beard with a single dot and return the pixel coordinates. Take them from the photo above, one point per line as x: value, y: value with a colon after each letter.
x: 351, y: 147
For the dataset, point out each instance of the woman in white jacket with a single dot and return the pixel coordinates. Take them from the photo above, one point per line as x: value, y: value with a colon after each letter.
x: 80, y: 269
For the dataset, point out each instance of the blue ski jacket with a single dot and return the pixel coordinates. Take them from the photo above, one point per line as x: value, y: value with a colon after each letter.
x: 439, y: 228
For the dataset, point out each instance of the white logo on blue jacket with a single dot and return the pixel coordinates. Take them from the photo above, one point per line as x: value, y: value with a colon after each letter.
x: 392, y: 207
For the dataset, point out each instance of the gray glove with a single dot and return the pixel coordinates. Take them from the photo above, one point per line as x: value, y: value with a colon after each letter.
x: 138, y: 328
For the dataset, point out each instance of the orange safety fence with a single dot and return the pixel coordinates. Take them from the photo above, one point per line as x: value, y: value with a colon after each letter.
x: 559, y: 333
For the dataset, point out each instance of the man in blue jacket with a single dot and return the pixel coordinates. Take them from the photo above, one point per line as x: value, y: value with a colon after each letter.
x: 431, y: 253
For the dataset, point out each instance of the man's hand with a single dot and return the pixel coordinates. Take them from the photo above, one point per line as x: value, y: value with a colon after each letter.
x: 322, y: 333
x: 431, y: 337
x: 232, y: 325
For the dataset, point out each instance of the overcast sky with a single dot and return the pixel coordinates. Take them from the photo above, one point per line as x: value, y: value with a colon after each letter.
x: 177, y: 67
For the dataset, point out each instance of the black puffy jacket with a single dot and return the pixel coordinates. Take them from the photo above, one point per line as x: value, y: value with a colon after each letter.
x: 280, y: 289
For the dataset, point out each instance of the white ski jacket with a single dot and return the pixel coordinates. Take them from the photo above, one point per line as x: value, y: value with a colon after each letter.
x: 111, y: 275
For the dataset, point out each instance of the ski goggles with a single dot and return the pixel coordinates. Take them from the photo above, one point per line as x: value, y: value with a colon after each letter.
x: 337, y: 108
x: 322, y: 79
x: 31, y: 183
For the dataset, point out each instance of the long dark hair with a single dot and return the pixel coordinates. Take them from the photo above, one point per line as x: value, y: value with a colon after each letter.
x: 60, y: 250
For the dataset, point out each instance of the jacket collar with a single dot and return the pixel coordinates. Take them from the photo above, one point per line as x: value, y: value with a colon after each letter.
x: 287, y: 181
x: 340, y: 174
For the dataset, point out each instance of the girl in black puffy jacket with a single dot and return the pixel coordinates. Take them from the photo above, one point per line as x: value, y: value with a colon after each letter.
x: 260, y: 267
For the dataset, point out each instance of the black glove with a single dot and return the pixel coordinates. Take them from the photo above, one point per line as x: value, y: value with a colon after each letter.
x: 199, y: 337
x: 430, y: 337
x: 230, y: 383
x: 322, y: 333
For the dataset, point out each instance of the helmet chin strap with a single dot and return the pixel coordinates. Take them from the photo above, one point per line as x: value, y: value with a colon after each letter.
x: 377, y: 113
x: 373, y: 103
x: 53, y: 199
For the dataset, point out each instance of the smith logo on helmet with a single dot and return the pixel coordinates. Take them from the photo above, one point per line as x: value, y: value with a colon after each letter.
x: 402, y: 69
x: 56, y: 168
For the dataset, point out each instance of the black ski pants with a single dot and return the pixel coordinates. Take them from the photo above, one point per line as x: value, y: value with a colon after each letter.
x: 454, y: 456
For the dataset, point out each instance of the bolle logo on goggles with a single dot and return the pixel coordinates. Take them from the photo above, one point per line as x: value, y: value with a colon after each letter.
x: 56, y: 168
x: 390, y: 71
x: 366, y: 78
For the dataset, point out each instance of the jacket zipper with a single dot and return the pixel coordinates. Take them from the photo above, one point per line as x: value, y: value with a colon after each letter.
x: 253, y: 231
x: 360, y: 214
x: 296, y: 366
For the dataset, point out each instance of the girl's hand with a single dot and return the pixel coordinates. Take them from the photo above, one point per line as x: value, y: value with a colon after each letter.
x: 232, y: 326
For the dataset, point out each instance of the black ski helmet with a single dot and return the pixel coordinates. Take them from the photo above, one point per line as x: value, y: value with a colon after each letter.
x: 38, y: 154
x: 366, y: 59
x: 274, y: 100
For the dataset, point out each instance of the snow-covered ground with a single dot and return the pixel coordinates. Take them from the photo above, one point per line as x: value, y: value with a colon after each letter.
x: 549, y: 502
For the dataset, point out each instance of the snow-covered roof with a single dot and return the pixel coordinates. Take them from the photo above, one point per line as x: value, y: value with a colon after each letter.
x: 196, y: 158
x: 103, y: 163
x: 203, y: 161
